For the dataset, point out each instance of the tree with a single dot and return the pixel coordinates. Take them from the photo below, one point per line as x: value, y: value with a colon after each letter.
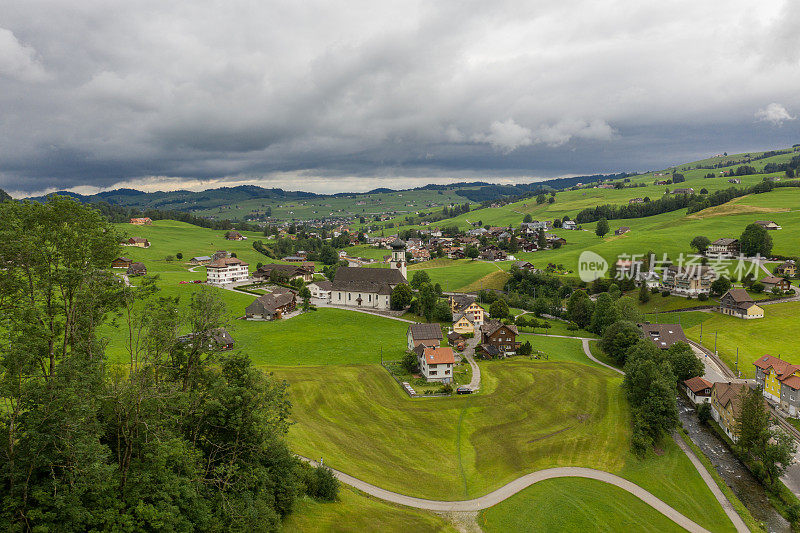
x: 757, y: 287
x: 614, y: 291
x: 498, y: 309
x: 605, y: 313
x: 401, y: 297
x: 305, y: 294
x: 426, y: 301
x: 328, y: 255
x: 525, y: 348
x: 527, y: 219
x: 551, y: 200
x: 179, y: 255
x: 626, y: 309
x: 755, y: 240
x: 720, y: 285
x: 419, y: 277
x: 685, y: 364
x: 410, y: 363
x: 541, y: 199
x: 644, y: 293
x: 541, y: 240
x: 580, y: 308
x: 618, y: 339
x: 700, y: 243
x: 472, y: 252
x: 602, y: 227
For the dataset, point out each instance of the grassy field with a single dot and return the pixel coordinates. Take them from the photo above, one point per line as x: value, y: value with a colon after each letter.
x: 770, y: 335
x: 458, y: 275
x: 517, y: 424
x: 356, y: 512
x: 574, y: 504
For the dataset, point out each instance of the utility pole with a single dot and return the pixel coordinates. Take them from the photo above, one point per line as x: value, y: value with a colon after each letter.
x: 715, y: 343
x: 737, y: 361
x: 701, y: 333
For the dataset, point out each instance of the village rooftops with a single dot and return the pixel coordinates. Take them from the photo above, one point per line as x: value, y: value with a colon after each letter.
x: 493, y: 325
x: 663, y: 335
x: 724, y: 241
x: 730, y: 393
x: 425, y: 332
x: 439, y: 355
x: 368, y: 280
x: 224, y: 262
x: 740, y: 296
x: 784, y: 370
x: 697, y: 384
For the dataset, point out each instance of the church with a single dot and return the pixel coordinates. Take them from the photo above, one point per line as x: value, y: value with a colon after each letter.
x: 370, y: 287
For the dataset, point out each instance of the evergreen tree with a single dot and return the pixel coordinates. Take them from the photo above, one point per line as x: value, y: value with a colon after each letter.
x: 602, y: 227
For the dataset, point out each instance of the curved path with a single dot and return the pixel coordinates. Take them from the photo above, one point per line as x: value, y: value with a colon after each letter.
x: 519, y: 484
x: 469, y: 352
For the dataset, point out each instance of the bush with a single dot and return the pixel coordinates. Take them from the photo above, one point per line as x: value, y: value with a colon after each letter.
x: 318, y: 482
x: 446, y: 388
x: 757, y: 287
x: 704, y: 412
x: 572, y: 326
x: 664, y: 293
x: 409, y: 362
x: 702, y: 297
x: 654, y: 290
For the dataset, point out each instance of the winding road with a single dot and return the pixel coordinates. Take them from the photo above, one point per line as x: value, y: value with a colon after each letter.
x: 525, y: 481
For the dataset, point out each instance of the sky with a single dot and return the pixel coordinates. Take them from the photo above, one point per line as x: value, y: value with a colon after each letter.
x: 350, y: 96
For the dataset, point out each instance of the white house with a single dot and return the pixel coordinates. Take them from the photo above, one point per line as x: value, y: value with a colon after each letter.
x: 569, y: 224
x: 320, y: 289
x: 698, y: 390
x: 226, y: 270
x: 436, y: 364
x: 370, y: 287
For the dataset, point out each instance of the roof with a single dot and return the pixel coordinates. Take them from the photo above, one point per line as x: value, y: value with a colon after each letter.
x: 663, y: 335
x: 123, y: 259
x: 490, y: 349
x: 453, y: 336
x: 223, y: 262
x: 771, y: 280
x: 784, y: 370
x: 364, y: 279
x: 462, y: 315
x: 725, y: 241
x: 730, y: 393
x: 425, y: 331
x: 697, y: 384
x: 739, y: 296
x: 765, y: 222
x: 269, y: 303
x: 692, y: 271
x: 201, y: 258
x: 398, y: 244
x: 289, y: 269
x: 490, y: 327
x: 137, y: 239
x: 322, y: 285
x: 221, y: 336
x: 439, y: 355
x: 137, y: 266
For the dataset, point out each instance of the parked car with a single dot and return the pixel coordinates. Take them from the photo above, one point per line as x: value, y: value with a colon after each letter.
x: 463, y: 390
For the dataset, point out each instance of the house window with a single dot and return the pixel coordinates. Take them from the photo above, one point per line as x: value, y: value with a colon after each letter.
x: 348, y: 296
x: 369, y: 298
x: 433, y: 372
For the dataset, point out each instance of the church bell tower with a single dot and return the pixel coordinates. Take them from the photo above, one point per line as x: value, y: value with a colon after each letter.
x: 399, y: 257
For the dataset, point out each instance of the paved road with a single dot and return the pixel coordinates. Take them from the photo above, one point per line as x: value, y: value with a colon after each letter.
x: 468, y: 354
x: 319, y: 302
x: 588, y: 353
x: 519, y: 484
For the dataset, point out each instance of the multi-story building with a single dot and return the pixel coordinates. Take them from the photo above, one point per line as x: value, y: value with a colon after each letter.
x: 724, y: 247
x: 226, y: 270
x: 780, y: 382
x: 688, y: 280
x: 738, y: 303
x: 726, y: 405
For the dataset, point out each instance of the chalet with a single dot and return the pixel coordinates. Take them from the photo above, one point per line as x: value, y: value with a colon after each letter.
x: 137, y: 269
x: 684, y: 190
x: 663, y: 335
x: 688, y: 280
x: 529, y: 228
x: 734, y: 180
x: 294, y: 258
x: 555, y: 240
x: 144, y: 221
x: 569, y: 225
x: 462, y: 304
x: 772, y: 282
x: 768, y: 224
x: 726, y: 405
x: 272, y: 306
x: 320, y: 289
x: 282, y: 272
x: 233, y: 235
x: 436, y: 363
x: 724, y: 247
x: 779, y: 381
x: 526, y: 266
x: 121, y: 262
x: 661, y: 182
x: 228, y: 270
x: 218, y: 339
x: 698, y: 389
x: 220, y: 254
x: 309, y: 265
x: 501, y: 336
x: 787, y: 268
x: 200, y: 260
x: 463, y: 323
x: 493, y: 254
x: 425, y: 334
x: 736, y: 302
x: 636, y: 201
x: 139, y: 242
x: 456, y: 340
x: 622, y: 230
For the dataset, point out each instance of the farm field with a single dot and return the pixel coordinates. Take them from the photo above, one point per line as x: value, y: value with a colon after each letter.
x: 460, y: 275
x: 574, y: 504
x: 351, y: 419
x: 773, y: 335
x: 357, y: 512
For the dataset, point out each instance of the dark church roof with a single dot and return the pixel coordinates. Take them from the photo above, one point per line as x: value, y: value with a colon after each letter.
x: 363, y: 279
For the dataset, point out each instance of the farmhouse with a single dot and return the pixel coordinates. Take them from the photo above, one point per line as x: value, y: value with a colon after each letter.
x: 780, y: 382
x: 218, y: 339
x: 787, y: 268
x: 689, y: 280
x: 525, y: 265
x: 555, y: 240
x: 463, y: 323
x: 436, y: 363
x: 465, y: 305
x: 233, y: 235
x: 636, y: 201
x: 456, y: 340
x: 772, y: 282
x: 200, y: 260
x: 272, y: 306
x: 121, y: 262
x: 137, y: 269
x: 622, y: 230
x: 726, y: 405
x: 499, y: 335
x: 569, y: 224
x: 698, y: 389
x: 139, y: 242
x: 144, y: 221
x: 320, y: 289
x: 425, y: 334
x: 734, y: 180
x: 738, y: 303
x: 768, y: 224
x: 282, y: 272
x: 228, y: 270
x: 724, y: 247
x: 686, y: 190
x: 663, y: 335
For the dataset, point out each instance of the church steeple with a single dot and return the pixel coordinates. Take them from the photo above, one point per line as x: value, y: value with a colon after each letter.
x: 399, y: 257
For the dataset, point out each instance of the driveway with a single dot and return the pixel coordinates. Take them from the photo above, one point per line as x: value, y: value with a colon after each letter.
x: 469, y: 355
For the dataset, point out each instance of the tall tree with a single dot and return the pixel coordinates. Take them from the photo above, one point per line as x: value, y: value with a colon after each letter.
x: 605, y: 313
x: 602, y: 227
x: 755, y: 240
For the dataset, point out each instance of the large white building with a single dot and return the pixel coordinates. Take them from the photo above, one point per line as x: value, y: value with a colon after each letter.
x: 370, y: 287
x: 226, y: 270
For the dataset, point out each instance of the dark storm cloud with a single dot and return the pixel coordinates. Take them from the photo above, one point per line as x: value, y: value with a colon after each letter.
x: 304, y: 94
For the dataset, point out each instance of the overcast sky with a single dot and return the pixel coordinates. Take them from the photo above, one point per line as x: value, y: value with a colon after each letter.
x: 325, y: 97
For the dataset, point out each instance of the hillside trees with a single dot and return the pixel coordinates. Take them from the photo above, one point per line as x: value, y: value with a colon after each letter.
x: 602, y: 227
x: 685, y: 364
x: 401, y: 297
x: 580, y: 308
x: 700, y: 243
x: 755, y: 240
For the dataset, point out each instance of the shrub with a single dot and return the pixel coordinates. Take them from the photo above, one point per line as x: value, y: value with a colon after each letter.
x: 572, y: 326
x: 664, y: 293
x: 704, y: 413
x: 409, y: 362
x: 702, y: 297
x: 757, y: 287
x: 654, y: 290
x: 446, y: 388
x: 318, y: 482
